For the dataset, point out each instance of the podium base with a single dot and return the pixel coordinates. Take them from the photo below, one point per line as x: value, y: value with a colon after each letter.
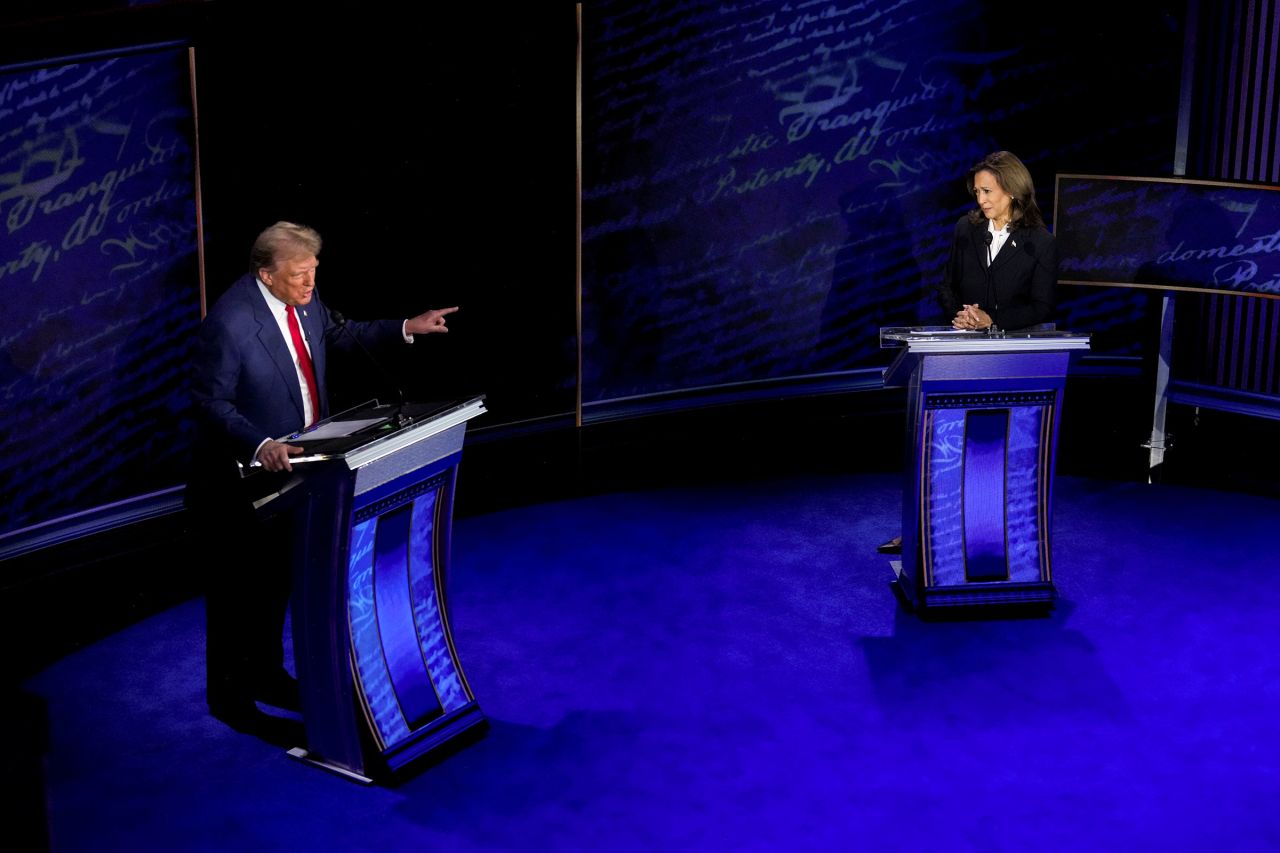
x: 305, y: 757
x: 975, y: 600
x: 467, y: 722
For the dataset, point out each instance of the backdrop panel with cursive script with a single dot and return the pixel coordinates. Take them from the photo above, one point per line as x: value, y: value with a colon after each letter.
x: 99, y: 276
x: 1169, y: 234
x: 767, y: 184
x: 1209, y: 237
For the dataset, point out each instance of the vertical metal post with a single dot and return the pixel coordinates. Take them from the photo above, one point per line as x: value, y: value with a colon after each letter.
x: 1159, y: 441
x: 577, y: 385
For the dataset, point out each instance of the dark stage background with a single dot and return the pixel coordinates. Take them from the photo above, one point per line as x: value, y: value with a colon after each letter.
x: 764, y: 184
x: 434, y: 152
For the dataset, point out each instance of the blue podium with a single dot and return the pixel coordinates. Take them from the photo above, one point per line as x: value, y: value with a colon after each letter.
x: 380, y: 677
x: 982, y: 425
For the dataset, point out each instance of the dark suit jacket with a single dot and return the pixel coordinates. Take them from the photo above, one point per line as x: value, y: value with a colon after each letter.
x: 246, y: 387
x: 1023, y: 275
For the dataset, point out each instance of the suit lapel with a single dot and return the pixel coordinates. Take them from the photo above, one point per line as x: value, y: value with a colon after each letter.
x: 273, y: 342
x: 1006, y: 251
x: 978, y: 235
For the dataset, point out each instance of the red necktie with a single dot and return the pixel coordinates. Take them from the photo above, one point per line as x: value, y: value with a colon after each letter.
x: 304, y: 360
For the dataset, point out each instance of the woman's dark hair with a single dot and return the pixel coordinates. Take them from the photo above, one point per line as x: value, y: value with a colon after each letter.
x: 1014, y: 179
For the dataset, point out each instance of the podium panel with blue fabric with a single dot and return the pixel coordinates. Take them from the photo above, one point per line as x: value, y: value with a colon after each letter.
x: 381, y: 680
x: 982, y: 423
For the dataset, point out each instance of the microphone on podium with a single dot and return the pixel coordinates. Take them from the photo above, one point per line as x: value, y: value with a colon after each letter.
x: 398, y: 418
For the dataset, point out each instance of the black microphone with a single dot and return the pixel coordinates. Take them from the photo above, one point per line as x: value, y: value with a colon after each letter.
x: 398, y: 418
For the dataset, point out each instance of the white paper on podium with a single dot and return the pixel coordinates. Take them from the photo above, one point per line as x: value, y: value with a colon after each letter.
x: 333, y: 429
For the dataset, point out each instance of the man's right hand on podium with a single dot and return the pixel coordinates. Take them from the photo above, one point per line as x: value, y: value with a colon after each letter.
x: 274, y: 455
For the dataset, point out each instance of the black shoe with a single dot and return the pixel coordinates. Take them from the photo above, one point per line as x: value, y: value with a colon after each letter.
x: 279, y: 689
x: 893, y: 546
x: 239, y: 712
x: 243, y: 716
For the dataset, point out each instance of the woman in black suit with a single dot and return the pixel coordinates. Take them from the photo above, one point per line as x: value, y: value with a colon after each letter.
x: 1003, y: 264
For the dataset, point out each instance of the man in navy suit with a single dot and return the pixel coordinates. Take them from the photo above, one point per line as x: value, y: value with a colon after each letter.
x: 260, y: 375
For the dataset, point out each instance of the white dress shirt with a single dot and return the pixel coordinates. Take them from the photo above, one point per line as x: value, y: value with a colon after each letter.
x: 997, y: 237
x: 279, y: 311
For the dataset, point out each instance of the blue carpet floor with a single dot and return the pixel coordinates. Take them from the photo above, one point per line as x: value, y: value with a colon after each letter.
x: 725, y: 668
